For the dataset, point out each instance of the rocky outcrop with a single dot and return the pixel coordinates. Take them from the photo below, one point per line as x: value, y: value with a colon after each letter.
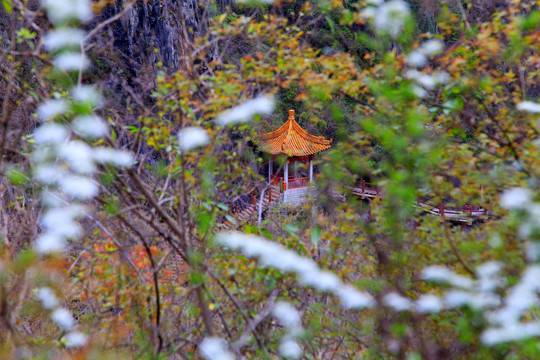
x: 166, y: 25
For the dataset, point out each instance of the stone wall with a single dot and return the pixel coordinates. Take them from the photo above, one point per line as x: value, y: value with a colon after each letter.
x: 299, y: 196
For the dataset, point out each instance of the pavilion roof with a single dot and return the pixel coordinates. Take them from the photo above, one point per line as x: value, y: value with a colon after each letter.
x: 290, y: 139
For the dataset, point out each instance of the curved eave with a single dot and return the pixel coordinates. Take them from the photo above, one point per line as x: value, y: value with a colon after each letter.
x: 290, y: 139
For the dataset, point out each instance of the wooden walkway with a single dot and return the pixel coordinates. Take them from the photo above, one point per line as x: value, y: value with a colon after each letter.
x: 467, y: 213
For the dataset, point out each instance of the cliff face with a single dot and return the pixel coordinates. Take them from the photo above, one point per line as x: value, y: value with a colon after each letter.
x: 166, y: 25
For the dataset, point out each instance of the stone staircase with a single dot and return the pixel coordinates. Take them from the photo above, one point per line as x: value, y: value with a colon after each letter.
x: 252, y: 210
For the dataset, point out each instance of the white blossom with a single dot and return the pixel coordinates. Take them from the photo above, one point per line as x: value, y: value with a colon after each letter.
x: 528, y: 106
x: 52, y: 108
x: 269, y: 2
x: 516, y: 198
x: 86, y: 94
x: 192, y: 137
x: 51, y: 133
x: 120, y: 158
x: 75, y: 339
x: 274, y: 255
x: 214, y: 348
x: 352, y: 298
x: 489, y: 269
x: 369, y: 13
x: 60, y: 221
x: 416, y: 59
x: 52, y: 199
x: 71, y: 61
x: 79, y: 187
x: 49, y: 243
x: 446, y: 276
x: 457, y: 298
x: 321, y: 280
x: 510, y: 332
x: 66, y: 37
x: 47, y: 173
x: 79, y: 155
x: 388, y: 17
x: 428, y: 304
x: 61, y: 11
x: 419, y: 57
x: 262, y: 105
x: 397, y: 302
x: 287, y: 315
x: 520, y: 298
x: 429, y: 81
x: 91, y: 126
x: 289, y: 348
x: 47, y: 297
x: 63, y: 319
x: 432, y: 47
x: 533, y: 251
x: 419, y: 91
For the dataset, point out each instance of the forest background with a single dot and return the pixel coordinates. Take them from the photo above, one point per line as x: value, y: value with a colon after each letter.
x: 122, y: 160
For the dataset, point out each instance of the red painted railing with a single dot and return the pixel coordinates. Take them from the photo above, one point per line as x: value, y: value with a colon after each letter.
x: 275, y: 179
x: 369, y: 189
x: 296, y: 183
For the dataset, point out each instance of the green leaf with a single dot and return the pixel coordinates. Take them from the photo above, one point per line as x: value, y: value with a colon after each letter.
x: 316, y: 236
x: 16, y: 177
x: 291, y: 229
x: 7, y: 6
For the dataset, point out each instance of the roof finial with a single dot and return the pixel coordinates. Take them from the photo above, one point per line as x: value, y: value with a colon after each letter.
x: 291, y: 114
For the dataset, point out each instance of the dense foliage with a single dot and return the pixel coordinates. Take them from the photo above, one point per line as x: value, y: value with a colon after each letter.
x: 118, y: 206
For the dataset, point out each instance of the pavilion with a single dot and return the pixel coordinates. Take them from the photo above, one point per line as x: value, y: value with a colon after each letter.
x: 299, y: 146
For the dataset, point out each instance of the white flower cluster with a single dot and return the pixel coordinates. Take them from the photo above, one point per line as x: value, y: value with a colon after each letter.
x: 193, y: 137
x: 477, y: 294
x: 503, y: 314
x: 289, y: 317
x: 65, y: 41
x: 61, y: 317
x: 420, y: 56
x: 65, y: 165
x: 522, y: 199
x: 428, y: 81
x: 214, y: 348
x: 388, y: 17
x: 506, y: 321
x: 529, y: 106
x: 271, y: 254
x: 262, y: 105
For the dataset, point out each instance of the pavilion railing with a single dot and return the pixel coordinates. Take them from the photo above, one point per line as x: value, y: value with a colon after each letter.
x: 297, y: 183
x: 294, y: 182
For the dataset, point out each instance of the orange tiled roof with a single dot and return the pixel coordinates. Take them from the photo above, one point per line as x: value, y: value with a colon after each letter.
x: 290, y: 139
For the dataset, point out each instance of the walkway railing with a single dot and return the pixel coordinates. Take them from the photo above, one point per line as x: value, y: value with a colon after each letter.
x: 370, y: 190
